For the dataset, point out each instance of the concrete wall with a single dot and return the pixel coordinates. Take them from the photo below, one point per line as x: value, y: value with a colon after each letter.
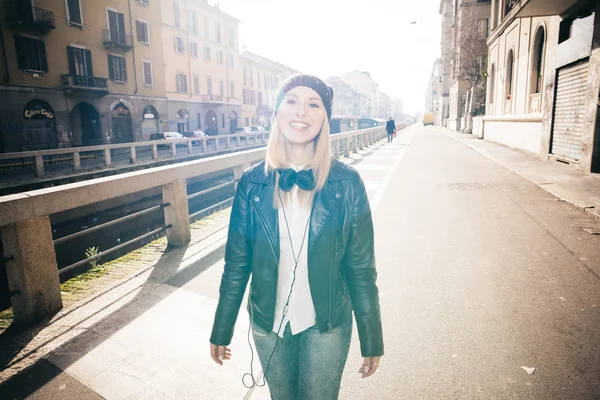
x: 524, y: 135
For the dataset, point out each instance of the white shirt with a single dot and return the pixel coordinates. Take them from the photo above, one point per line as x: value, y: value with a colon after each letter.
x: 301, y: 311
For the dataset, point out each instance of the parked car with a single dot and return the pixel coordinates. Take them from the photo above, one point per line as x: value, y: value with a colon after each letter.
x: 196, y: 134
x: 258, y: 129
x: 428, y: 119
x: 247, y: 129
x: 166, y: 136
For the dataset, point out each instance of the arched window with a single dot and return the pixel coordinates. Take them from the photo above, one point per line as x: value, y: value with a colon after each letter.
x: 537, y: 64
x: 508, y: 82
x: 492, y: 84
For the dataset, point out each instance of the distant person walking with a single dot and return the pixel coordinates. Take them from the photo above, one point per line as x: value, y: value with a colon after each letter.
x: 390, y: 127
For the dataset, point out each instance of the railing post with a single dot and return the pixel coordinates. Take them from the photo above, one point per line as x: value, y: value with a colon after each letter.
x: 189, y: 147
x: 228, y: 142
x: 337, y: 148
x: 347, y: 148
x: 204, y: 145
x: 355, y: 144
x: 177, y: 213
x: 32, y: 271
x: 155, y: 152
x: 173, y: 149
x: 362, y: 141
x: 217, y: 143
x: 133, y: 155
x: 76, y: 161
x: 39, y: 166
x: 107, y: 159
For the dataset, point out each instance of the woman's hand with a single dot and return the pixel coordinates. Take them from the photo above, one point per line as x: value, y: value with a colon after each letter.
x: 369, y: 366
x: 220, y: 353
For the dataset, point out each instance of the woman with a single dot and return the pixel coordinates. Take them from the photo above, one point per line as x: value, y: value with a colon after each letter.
x: 301, y: 225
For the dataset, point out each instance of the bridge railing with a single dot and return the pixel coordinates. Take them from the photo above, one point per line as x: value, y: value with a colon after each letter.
x: 73, y: 155
x: 26, y: 231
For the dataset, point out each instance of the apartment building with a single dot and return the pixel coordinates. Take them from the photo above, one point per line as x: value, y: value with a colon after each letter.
x: 202, y: 67
x: 78, y: 73
x: 261, y: 78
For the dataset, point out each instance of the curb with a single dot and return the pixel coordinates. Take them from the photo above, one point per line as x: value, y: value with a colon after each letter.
x: 563, y: 195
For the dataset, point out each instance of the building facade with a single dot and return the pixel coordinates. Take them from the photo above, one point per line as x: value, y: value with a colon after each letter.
x: 467, y: 75
x: 543, y: 84
x: 202, y: 67
x: 362, y: 83
x: 261, y: 78
x: 446, y: 60
x: 78, y: 73
x: 382, y: 105
x: 431, y: 95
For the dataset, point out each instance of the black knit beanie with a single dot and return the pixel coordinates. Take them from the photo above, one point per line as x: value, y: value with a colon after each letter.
x: 316, y: 84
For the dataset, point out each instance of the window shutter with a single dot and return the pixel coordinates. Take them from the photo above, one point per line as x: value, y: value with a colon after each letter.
x: 42, y: 55
x: 123, y: 69
x: 185, y: 86
x: 88, y: 63
x: 111, y: 68
x: 21, y: 51
x: 138, y: 29
x: 71, y: 58
x: 121, y: 26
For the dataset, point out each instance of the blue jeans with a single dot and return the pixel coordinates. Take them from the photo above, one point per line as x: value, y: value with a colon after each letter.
x: 306, y: 366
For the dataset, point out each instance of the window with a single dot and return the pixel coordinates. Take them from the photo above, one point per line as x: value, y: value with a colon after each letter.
x: 74, y: 12
x: 259, y: 98
x: 220, y: 57
x: 537, y: 65
x: 209, y: 86
x: 181, y: 82
x: 179, y: 45
x: 230, y: 38
x: 251, y: 77
x: 244, y: 96
x: 116, y: 27
x: 258, y: 79
x: 492, y: 83
x: 176, y: 19
x: 80, y: 61
x: 31, y: 54
x: 245, y: 80
x: 196, y: 84
x: 117, y: 69
x: 247, y: 122
x: 266, y: 81
x: 193, y: 22
x: 194, y: 49
x: 143, y: 32
x: 509, y: 75
x: 482, y: 29
x: 144, y: 2
x: 231, y: 90
x: 218, y: 32
x: 147, y: 73
x: 230, y: 61
x: 221, y: 88
x: 206, y: 27
x: 198, y: 121
x: 222, y: 120
x: 207, y: 53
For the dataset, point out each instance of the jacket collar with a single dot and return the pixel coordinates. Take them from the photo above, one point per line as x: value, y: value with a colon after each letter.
x: 257, y: 174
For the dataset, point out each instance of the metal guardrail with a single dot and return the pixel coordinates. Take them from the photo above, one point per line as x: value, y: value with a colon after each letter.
x: 26, y: 225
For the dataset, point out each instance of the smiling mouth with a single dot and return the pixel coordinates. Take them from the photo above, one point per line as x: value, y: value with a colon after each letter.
x: 301, y: 126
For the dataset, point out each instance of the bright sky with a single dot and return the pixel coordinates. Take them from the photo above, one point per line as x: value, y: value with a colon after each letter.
x: 332, y: 37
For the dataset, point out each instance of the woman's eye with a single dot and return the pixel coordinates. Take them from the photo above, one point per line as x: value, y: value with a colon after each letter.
x: 315, y: 106
x: 290, y: 101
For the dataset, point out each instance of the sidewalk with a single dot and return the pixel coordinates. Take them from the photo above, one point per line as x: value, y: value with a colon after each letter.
x: 574, y: 187
x: 107, y: 333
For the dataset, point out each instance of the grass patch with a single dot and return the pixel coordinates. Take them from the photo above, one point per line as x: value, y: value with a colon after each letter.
x: 6, y: 318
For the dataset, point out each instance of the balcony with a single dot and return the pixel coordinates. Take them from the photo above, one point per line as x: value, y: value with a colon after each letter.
x: 82, y: 83
x: 114, y: 40
x: 32, y: 18
x: 509, y: 5
x: 212, y: 98
x: 541, y: 8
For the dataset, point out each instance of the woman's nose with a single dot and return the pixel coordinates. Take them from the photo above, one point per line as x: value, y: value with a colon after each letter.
x: 301, y: 110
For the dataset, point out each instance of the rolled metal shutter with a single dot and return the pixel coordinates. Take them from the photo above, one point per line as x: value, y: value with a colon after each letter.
x: 568, y: 124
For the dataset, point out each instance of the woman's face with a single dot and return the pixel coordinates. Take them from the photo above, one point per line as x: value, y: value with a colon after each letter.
x: 301, y: 115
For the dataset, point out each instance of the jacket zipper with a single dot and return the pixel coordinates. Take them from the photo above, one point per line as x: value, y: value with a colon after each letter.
x: 331, y: 272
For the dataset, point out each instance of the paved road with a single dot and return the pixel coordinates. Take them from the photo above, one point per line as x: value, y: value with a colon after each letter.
x: 481, y: 273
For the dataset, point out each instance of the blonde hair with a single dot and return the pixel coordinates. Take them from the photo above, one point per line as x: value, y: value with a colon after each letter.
x: 321, y: 163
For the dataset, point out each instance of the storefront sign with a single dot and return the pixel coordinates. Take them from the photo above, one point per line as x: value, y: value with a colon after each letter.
x: 38, y: 110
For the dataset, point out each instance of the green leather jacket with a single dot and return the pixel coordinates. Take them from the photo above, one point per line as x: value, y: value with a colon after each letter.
x: 341, y: 259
